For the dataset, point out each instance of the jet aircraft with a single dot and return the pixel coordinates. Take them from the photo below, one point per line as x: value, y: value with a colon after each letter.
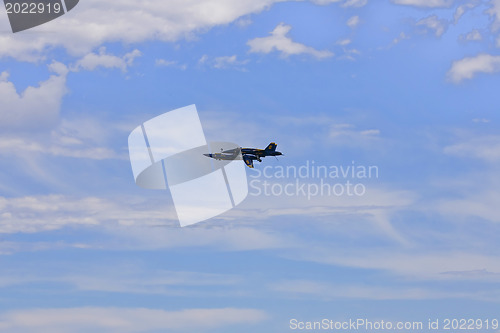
x: 248, y: 154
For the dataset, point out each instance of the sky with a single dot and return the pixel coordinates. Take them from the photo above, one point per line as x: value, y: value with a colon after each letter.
x: 408, y: 88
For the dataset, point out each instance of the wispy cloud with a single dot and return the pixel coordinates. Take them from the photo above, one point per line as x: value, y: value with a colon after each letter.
x: 474, y: 35
x: 92, y: 60
x: 52, y: 212
x: 349, y: 134
x: 402, y: 36
x: 462, y: 9
x: 81, y: 137
x: 353, y: 22
x: 223, y: 62
x: 415, y: 264
x: 355, y: 3
x: 169, y: 63
x: 66, y: 146
x: 125, y: 319
x: 481, y: 204
x: 127, y: 277
x: 376, y: 208
x: 346, y: 3
x: 433, y: 23
x: 317, y: 290
x: 279, y: 41
x: 425, y: 3
x: 229, y: 62
x: 486, y: 148
x: 494, y: 11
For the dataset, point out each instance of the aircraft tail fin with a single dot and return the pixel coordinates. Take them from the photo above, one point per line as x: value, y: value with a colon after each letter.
x: 271, y: 147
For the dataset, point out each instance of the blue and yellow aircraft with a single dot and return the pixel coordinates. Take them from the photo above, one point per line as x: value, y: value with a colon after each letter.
x: 249, y: 154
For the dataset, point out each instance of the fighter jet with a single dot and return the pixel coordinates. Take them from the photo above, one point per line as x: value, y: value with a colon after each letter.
x: 248, y: 154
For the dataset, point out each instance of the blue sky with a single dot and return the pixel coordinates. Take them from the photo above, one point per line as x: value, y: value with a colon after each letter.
x: 408, y: 86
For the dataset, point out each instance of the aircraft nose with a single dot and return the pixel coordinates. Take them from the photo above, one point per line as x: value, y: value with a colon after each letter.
x: 208, y: 155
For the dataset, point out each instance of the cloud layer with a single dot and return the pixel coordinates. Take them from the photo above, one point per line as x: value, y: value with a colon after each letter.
x: 95, y: 319
x: 95, y: 22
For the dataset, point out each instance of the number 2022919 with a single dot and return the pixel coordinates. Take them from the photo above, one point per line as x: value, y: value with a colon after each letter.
x: 470, y: 324
x: 32, y: 8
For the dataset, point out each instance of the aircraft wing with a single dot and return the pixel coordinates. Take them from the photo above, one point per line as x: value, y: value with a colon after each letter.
x: 232, y: 151
x: 248, y: 160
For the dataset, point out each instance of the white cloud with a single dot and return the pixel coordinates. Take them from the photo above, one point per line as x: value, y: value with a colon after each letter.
x: 131, y: 279
x: 82, y: 137
x: 416, y: 264
x: 39, y: 107
x: 341, y: 134
x: 229, y: 62
x: 203, y: 59
x: 166, y: 63
x: 40, y: 213
x: 218, y: 234
x: 328, y: 291
x: 355, y: 3
x: 102, y: 59
x: 353, y: 22
x: 468, y: 67
x: 278, y: 41
x: 347, y: 3
x: 483, y: 204
x: 402, y: 36
x: 425, y: 3
x: 125, y: 276
x: 435, y: 24
x: 495, y: 12
x: 96, y: 22
x: 474, y: 196
x: 344, y: 42
x: 68, y: 147
x: 169, y: 63
x: 475, y: 201
x: 484, y: 147
x: 474, y: 35
x: 481, y: 120
x: 324, y: 2
x: 244, y: 22
x: 460, y: 11
x: 223, y: 62
x: 93, y: 319
x: 35, y: 106
x: 349, y: 54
